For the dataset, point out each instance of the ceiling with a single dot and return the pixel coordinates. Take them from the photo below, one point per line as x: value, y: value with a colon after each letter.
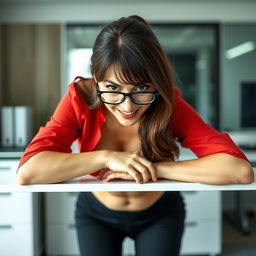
x: 125, y: 1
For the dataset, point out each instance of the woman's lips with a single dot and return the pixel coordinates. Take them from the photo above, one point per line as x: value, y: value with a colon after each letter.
x: 128, y: 114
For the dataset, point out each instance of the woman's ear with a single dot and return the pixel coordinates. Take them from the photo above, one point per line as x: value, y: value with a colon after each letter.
x: 95, y: 80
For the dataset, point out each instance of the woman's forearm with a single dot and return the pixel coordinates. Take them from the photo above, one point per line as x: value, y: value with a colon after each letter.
x: 217, y: 169
x: 52, y: 167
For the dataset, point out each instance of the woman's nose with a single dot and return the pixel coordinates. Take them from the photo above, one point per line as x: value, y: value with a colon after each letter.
x: 127, y: 104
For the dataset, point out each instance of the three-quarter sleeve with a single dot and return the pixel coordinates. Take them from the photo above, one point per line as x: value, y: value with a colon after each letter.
x: 61, y: 131
x: 192, y: 132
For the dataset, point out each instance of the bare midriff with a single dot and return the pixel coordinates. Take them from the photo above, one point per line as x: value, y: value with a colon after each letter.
x: 128, y: 201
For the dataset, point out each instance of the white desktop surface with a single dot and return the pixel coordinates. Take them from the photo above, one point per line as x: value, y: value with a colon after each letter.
x: 90, y: 183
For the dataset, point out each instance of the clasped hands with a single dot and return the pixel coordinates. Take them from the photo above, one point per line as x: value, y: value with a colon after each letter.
x: 128, y: 166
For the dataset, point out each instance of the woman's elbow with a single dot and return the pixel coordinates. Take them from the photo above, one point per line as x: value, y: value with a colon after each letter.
x: 246, y: 174
x: 22, y: 180
x: 23, y: 177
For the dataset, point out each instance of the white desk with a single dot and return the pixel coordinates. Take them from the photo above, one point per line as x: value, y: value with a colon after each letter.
x: 90, y: 183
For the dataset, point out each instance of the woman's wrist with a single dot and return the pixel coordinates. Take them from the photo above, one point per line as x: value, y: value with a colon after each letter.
x: 159, y: 169
x: 164, y: 169
x: 104, y: 156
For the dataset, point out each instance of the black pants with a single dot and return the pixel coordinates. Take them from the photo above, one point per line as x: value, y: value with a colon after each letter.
x: 156, y: 230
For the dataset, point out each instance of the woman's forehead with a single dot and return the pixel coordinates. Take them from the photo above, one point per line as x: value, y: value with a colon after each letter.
x: 119, y: 76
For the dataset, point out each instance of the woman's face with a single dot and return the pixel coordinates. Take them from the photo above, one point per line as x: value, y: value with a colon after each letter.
x: 127, y: 113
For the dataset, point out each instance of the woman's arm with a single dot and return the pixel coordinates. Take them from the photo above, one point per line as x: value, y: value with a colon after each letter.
x: 215, y: 169
x: 52, y: 167
x: 219, y: 161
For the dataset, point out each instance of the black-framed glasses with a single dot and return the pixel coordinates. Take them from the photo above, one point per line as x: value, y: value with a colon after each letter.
x: 139, y: 98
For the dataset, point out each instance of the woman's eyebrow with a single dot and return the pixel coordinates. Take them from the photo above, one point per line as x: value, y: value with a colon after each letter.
x: 112, y: 82
x: 121, y: 85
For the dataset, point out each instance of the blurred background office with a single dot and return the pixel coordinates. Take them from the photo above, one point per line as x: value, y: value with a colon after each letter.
x: 44, y: 44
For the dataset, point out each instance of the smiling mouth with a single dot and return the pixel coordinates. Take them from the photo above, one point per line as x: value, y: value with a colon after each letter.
x: 128, y: 114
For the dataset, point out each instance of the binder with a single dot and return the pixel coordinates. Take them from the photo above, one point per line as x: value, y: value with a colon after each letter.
x: 22, y: 125
x: 7, y: 126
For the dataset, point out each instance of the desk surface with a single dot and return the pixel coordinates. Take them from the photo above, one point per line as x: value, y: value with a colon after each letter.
x: 89, y: 183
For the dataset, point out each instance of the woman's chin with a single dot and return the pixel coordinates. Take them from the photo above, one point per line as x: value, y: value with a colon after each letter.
x: 127, y: 122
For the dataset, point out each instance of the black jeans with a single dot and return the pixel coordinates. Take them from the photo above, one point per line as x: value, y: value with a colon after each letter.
x: 156, y: 230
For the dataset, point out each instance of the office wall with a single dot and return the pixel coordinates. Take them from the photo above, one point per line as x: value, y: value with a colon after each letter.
x: 99, y: 11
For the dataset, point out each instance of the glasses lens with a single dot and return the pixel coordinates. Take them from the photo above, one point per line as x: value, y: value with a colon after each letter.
x: 112, y: 97
x: 143, y: 97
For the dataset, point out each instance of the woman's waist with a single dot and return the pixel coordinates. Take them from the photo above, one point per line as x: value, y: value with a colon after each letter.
x: 128, y: 201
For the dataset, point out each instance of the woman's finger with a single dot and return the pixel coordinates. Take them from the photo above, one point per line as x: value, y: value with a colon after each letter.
x: 146, y: 165
x: 117, y: 175
x: 143, y: 170
x: 135, y: 174
x: 106, y: 173
x: 102, y: 172
x: 150, y: 167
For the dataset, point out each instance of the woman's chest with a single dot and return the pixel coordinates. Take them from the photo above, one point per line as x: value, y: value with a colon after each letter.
x: 119, y: 139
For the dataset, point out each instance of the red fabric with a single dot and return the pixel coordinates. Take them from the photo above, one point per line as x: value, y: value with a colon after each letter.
x: 72, y: 120
x: 193, y: 133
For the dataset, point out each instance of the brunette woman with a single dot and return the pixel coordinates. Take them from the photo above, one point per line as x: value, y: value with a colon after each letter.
x: 127, y: 121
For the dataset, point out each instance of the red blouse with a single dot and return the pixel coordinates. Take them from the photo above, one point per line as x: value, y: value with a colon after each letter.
x: 72, y: 120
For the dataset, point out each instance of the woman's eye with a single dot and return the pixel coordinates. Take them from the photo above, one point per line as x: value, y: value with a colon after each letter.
x: 112, y: 87
x: 142, y: 88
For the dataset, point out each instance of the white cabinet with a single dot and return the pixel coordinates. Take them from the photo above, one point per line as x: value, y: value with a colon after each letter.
x: 8, y: 170
x: 20, y: 220
x: 60, y: 223
x: 202, y: 232
x: 203, y: 223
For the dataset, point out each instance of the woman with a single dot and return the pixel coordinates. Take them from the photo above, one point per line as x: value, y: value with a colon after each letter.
x: 127, y: 120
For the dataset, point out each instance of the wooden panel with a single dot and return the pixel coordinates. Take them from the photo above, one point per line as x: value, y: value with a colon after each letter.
x: 31, y: 68
x: 18, y: 51
x: 47, y: 70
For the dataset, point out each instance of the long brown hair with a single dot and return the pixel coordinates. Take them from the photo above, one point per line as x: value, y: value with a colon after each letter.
x: 131, y: 48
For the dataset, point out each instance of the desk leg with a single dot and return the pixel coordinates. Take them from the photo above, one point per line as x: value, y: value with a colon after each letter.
x: 239, y: 218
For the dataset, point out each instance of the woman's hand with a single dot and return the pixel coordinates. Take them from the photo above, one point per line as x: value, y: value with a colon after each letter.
x: 108, y: 175
x: 132, y: 163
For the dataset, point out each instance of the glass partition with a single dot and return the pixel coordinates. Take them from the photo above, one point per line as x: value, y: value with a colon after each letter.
x: 239, y: 77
